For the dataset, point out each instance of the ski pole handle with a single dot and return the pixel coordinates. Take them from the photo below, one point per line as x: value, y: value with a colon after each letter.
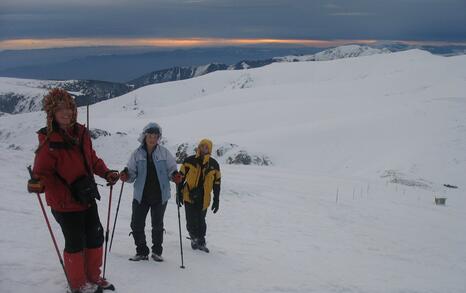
x: 30, y: 171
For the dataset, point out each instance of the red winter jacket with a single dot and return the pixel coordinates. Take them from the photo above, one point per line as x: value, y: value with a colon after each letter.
x: 55, y: 156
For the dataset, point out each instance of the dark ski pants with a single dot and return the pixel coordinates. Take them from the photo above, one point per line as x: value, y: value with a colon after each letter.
x: 81, y: 229
x: 138, y: 223
x: 195, y: 220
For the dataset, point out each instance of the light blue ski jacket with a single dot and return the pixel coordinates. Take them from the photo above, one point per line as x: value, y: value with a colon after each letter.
x: 165, y: 165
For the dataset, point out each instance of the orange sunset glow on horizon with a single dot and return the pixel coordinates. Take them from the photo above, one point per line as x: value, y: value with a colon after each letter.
x: 17, y: 44
x: 24, y: 44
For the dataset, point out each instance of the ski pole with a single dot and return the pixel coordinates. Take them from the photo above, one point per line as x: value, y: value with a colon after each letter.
x: 106, y: 231
x: 51, y: 232
x: 116, y: 216
x: 179, y: 228
x: 181, y: 243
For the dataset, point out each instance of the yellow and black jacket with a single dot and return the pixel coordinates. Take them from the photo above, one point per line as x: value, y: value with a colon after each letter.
x: 202, y: 175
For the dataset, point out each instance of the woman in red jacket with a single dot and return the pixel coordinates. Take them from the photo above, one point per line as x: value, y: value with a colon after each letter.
x: 65, y: 165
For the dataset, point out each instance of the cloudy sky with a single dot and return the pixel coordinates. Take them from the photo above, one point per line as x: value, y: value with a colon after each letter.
x: 89, y: 20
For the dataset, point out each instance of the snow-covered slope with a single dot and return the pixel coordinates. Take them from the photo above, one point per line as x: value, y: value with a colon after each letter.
x: 348, y: 51
x: 359, y: 147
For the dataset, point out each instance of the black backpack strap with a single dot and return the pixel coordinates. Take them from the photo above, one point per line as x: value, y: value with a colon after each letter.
x: 81, y: 148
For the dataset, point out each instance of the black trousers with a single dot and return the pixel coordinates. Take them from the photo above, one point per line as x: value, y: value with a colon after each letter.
x: 195, y: 220
x: 138, y: 223
x: 81, y: 229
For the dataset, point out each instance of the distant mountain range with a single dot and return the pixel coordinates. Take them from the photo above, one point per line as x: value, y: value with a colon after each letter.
x: 335, y: 53
x: 25, y: 95
x: 121, y: 64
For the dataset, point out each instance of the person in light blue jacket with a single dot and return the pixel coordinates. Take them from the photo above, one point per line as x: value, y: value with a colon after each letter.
x: 151, y: 167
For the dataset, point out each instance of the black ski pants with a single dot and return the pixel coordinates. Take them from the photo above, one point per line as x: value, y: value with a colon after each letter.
x: 81, y: 229
x: 195, y: 220
x: 138, y: 223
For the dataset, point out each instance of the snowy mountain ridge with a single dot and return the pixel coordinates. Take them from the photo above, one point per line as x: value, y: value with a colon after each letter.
x: 348, y: 51
x: 25, y: 95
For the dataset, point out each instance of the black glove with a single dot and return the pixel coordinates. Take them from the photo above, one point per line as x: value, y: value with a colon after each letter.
x: 177, y: 177
x: 124, y: 176
x: 35, y: 186
x: 112, y: 177
x: 215, y: 204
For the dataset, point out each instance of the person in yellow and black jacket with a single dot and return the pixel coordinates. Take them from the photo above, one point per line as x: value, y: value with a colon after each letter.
x: 201, y: 175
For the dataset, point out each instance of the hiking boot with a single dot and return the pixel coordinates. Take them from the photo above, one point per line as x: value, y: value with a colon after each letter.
x: 88, y: 288
x: 157, y: 257
x: 203, y: 247
x: 194, y: 244
x: 105, y: 285
x: 139, y: 257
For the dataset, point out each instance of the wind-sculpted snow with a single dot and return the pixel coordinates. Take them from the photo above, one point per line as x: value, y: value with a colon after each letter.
x: 399, y: 178
x: 228, y: 153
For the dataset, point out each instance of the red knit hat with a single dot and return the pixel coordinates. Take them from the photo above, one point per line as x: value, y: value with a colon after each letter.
x: 58, y: 97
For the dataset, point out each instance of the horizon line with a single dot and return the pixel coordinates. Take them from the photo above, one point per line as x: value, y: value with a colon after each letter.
x: 49, y: 43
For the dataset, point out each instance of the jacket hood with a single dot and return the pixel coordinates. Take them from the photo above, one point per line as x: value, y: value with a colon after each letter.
x: 147, y: 127
x: 207, y: 142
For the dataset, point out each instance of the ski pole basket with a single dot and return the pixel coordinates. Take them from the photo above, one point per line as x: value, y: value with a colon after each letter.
x: 440, y: 200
